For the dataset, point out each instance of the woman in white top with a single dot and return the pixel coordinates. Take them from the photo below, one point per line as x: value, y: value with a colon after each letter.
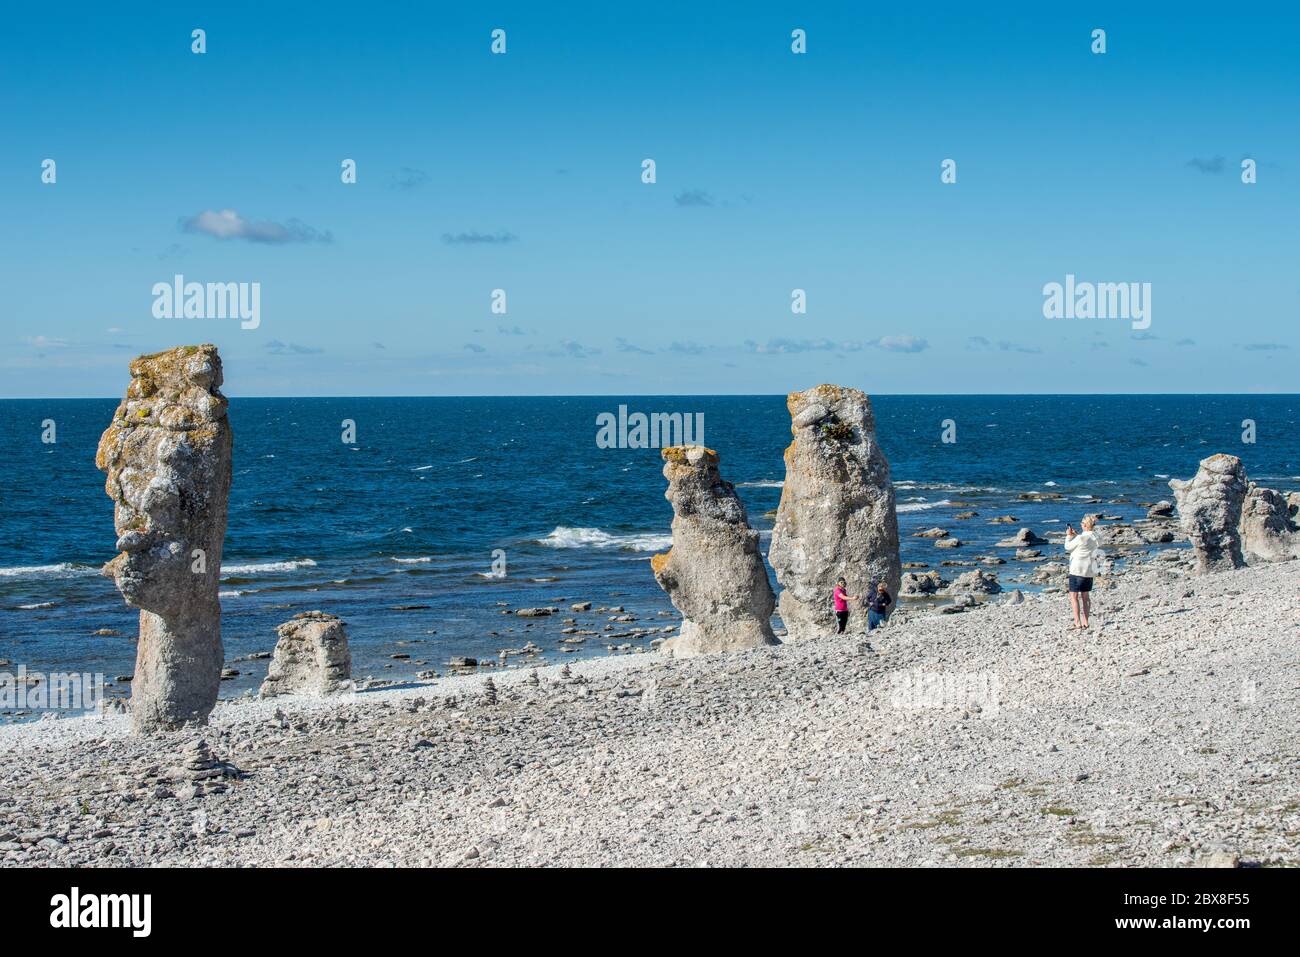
x: 1085, y: 559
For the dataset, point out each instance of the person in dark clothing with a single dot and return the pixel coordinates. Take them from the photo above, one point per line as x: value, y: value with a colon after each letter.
x: 878, y: 607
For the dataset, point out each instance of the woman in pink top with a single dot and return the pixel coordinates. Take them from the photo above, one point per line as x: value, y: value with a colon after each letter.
x: 842, y: 599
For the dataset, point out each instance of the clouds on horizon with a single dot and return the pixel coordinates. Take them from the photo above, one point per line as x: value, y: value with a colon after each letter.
x: 901, y: 343
x: 475, y: 238
x: 977, y: 343
x: 277, y: 348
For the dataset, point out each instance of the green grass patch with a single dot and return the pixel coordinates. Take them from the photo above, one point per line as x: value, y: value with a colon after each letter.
x: 993, y: 853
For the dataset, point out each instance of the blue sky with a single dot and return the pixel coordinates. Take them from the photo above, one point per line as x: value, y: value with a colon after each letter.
x: 775, y: 171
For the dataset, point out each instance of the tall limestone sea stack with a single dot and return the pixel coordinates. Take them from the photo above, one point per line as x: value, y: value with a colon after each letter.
x: 1209, y: 508
x: 168, y: 458
x: 837, y: 515
x: 714, y: 572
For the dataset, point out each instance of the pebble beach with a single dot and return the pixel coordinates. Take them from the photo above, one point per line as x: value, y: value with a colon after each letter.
x: 1165, y: 735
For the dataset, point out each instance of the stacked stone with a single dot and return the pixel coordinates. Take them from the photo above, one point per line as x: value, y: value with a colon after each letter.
x: 201, y: 771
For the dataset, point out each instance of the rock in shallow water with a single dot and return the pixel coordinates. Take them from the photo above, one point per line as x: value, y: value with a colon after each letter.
x: 975, y: 582
x: 1022, y: 539
x: 918, y: 584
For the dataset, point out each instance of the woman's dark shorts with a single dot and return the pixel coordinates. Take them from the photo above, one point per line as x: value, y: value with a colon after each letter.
x: 1080, y: 583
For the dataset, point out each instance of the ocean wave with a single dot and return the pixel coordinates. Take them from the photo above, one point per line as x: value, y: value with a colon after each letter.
x: 61, y: 570
x: 907, y: 485
x: 762, y: 483
x: 921, y: 506
x: 39, y: 604
x: 422, y: 468
x: 419, y: 560
x: 258, y: 567
x: 567, y: 537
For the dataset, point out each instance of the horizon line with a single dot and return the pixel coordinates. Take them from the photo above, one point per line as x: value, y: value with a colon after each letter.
x: 692, y: 395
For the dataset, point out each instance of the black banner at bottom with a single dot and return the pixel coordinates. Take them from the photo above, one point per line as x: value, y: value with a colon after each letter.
x: 1228, y: 907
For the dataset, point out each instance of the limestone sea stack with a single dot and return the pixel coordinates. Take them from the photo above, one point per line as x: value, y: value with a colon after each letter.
x: 1267, y: 531
x: 167, y: 455
x: 837, y: 515
x: 714, y: 572
x: 311, y: 657
x: 1209, y: 508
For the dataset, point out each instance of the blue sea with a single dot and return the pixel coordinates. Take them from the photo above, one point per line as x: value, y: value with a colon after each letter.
x: 397, y: 532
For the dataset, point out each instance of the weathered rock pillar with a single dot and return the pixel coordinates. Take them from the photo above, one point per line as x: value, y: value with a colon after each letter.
x: 1209, y: 508
x: 311, y: 657
x: 168, y: 458
x: 714, y: 572
x: 1267, y: 531
x: 837, y: 516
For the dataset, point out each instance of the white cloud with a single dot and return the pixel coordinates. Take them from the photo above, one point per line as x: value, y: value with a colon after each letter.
x: 228, y: 224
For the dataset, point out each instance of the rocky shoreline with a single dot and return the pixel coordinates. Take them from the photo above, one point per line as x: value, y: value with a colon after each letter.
x: 1163, y: 736
x: 982, y: 730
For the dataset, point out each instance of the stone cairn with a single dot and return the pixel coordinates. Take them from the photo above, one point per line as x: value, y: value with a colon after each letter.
x: 167, y: 455
x: 837, y: 516
x: 489, y: 691
x: 714, y: 573
x: 201, y: 772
